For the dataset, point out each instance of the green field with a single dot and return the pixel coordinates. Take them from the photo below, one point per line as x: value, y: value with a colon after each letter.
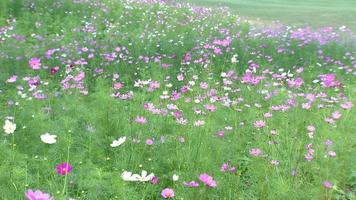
x: 317, y: 13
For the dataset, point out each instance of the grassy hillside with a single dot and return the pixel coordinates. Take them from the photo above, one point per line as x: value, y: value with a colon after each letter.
x: 95, y: 93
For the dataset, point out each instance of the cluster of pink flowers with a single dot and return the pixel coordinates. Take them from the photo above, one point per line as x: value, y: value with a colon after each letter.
x: 329, y: 80
x: 227, y: 168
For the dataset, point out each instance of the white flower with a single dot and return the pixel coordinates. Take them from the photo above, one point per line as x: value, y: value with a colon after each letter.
x: 234, y: 59
x: 9, y: 127
x: 48, y: 138
x: 175, y: 177
x: 128, y: 176
x: 118, y: 142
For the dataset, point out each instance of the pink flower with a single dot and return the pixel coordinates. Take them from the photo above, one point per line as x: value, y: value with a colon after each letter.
x: 167, y: 193
x: 207, y: 180
x: 329, y: 80
x: 180, y: 77
x: 64, y: 168
x: 35, y: 63
x: 336, y: 115
x: 210, y: 107
x: 268, y: 115
x: 300, y: 70
x: 311, y: 128
x: 199, y: 123
x: 117, y: 85
x: 141, y: 120
x: 332, y: 153
x: 149, y: 142
x: 79, y: 77
x: 255, y: 152
x: 220, y: 133
x: 328, y: 143
x: 204, y: 85
x: 12, y: 79
x: 347, y: 105
x: 306, y: 106
x: 37, y: 195
x: 259, y: 124
x: 226, y: 168
x: 154, y: 180
x: 191, y: 184
x: 327, y: 185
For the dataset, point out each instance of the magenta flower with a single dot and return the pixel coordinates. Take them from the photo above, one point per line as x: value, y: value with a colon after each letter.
x: 220, y: 133
x: 35, y: 63
x: 255, y: 152
x: 207, y: 180
x: 154, y: 180
x: 167, y: 193
x: 191, y: 184
x: 54, y: 70
x: 226, y: 168
x: 329, y: 80
x: 141, y: 120
x: 64, y: 168
x: 327, y: 185
x: 37, y: 195
x: 149, y: 142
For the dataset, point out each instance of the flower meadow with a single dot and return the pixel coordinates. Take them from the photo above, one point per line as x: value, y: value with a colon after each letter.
x: 154, y: 99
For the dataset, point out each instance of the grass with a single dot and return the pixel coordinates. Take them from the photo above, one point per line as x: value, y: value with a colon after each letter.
x: 315, y: 13
x: 190, y: 89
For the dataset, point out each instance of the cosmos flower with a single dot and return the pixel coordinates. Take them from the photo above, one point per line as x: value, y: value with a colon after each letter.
x: 118, y: 142
x: 64, y: 168
x: 207, y: 180
x: 128, y: 176
x: 259, y: 124
x: 12, y: 79
x: 9, y: 127
x: 48, y: 138
x: 37, y: 195
x: 347, y: 105
x: 191, y: 184
x: 175, y: 177
x: 226, y: 168
x: 327, y: 185
x: 117, y: 85
x: 154, y: 180
x: 35, y: 63
x: 167, y: 193
x: 149, y: 142
x: 255, y: 152
x: 141, y: 120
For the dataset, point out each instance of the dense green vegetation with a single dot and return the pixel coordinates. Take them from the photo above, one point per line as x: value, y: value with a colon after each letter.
x: 180, y: 91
